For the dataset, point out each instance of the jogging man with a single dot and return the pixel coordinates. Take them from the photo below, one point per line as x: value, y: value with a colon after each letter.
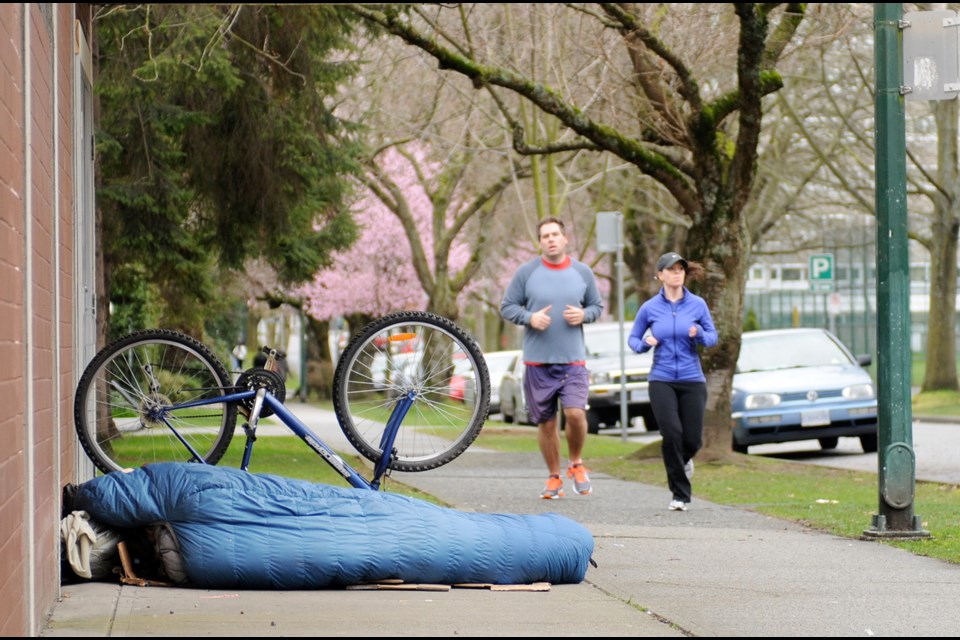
x: 552, y: 296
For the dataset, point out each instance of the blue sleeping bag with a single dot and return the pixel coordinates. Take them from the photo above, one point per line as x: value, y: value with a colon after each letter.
x: 243, y: 530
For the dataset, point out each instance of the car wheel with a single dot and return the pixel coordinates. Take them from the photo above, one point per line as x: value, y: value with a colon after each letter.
x: 828, y: 443
x: 521, y: 416
x: 739, y: 448
x: 869, y: 443
x: 649, y: 421
x: 593, y: 422
x: 506, y: 412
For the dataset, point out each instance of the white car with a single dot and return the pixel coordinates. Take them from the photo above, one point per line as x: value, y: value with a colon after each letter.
x: 498, y: 364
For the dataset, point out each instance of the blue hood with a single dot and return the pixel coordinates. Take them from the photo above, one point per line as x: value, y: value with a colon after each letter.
x: 800, y: 379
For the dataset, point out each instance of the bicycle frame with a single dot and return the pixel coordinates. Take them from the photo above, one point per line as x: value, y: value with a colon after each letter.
x: 262, y: 398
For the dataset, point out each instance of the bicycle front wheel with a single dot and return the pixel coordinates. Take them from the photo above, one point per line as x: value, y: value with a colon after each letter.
x: 426, y: 359
x: 125, y: 408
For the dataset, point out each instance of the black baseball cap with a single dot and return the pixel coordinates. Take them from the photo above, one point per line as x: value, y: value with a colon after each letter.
x: 667, y: 260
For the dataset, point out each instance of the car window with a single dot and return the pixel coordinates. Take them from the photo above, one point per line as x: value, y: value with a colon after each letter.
x: 788, y: 350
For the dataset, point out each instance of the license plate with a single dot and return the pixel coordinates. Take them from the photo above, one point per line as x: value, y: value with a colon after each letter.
x: 640, y: 395
x: 817, y: 418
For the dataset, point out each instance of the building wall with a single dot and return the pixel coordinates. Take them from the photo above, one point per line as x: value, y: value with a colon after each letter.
x: 13, y: 485
x: 38, y: 451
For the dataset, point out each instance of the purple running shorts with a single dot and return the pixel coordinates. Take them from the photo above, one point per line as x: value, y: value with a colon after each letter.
x: 544, y: 383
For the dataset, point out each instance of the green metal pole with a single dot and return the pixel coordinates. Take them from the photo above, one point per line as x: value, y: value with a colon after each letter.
x: 896, y: 461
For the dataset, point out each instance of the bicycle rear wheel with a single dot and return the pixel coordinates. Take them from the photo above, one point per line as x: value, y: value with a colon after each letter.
x: 420, y: 355
x: 123, y: 408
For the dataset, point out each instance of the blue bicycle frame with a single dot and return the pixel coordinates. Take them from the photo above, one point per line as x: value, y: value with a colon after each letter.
x: 262, y: 398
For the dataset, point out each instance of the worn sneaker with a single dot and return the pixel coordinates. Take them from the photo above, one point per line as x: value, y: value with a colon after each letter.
x: 688, y: 468
x: 581, y: 481
x: 554, y: 488
x: 677, y: 505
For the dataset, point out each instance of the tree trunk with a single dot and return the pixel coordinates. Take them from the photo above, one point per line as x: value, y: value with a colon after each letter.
x: 724, y: 253
x: 320, y: 365
x: 356, y: 322
x: 941, y: 371
x: 443, y: 301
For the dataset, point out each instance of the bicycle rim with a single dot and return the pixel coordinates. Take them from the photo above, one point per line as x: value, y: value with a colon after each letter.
x: 123, y: 407
x: 427, y: 358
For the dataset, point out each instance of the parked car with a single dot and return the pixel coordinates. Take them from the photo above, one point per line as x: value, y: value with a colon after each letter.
x: 387, y: 378
x: 603, y: 364
x: 498, y: 364
x: 513, y: 407
x: 458, y: 380
x: 801, y: 384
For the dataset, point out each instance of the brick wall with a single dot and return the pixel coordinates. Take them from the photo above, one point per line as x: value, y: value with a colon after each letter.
x: 37, y: 450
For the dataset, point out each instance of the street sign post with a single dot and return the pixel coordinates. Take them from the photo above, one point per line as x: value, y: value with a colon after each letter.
x: 610, y: 239
x: 896, y: 461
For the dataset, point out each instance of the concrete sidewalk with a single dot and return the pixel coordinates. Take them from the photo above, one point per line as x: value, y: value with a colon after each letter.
x: 710, y: 571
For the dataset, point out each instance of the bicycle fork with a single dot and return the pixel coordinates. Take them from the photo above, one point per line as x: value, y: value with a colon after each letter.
x: 390, y: 435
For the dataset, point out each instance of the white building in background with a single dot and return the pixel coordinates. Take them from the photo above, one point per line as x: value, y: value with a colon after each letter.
x: 782, y: 291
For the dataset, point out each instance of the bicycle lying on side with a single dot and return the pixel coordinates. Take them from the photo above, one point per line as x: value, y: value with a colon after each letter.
x: 410, y: 392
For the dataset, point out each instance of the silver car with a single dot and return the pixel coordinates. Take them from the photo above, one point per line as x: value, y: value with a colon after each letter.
x: 499, y: 364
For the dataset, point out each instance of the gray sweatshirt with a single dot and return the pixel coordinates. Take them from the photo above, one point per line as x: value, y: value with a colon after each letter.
x: 538, y: 284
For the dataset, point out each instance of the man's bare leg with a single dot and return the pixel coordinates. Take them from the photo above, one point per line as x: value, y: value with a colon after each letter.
x: 548, y: 436
x: 576, y: 429
x: 576, y: 437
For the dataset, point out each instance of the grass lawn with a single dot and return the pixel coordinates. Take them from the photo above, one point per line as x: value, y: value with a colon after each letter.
x: 834, y: 500
x: 290, y: 457
x: 936, y: 403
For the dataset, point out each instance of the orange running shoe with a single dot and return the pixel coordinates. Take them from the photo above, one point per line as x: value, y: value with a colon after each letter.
x: 554, y: 488
x: 581, y: 481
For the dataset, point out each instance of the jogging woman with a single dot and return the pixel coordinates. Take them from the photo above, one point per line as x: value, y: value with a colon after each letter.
x: 676, y: 322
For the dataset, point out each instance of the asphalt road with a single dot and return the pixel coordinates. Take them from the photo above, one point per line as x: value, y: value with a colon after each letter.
x: 936, y: 446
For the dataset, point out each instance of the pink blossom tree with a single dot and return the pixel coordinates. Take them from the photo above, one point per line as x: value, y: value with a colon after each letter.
x: 422, y: 238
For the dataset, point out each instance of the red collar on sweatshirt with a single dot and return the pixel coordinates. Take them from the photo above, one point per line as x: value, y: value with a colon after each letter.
x: 562, y: 265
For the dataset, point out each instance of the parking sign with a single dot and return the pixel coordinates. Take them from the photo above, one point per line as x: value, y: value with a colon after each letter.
x: 821, y: 272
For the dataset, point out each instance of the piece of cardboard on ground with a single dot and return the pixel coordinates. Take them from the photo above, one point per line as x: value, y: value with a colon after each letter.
x: 388, y: 585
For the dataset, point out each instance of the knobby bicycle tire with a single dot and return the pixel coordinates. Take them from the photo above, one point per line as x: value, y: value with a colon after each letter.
x: 117, y: 411
x: 418, y: 353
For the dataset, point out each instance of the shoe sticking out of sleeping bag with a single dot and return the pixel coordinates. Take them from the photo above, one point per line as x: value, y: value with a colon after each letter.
x: 242, y: 530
